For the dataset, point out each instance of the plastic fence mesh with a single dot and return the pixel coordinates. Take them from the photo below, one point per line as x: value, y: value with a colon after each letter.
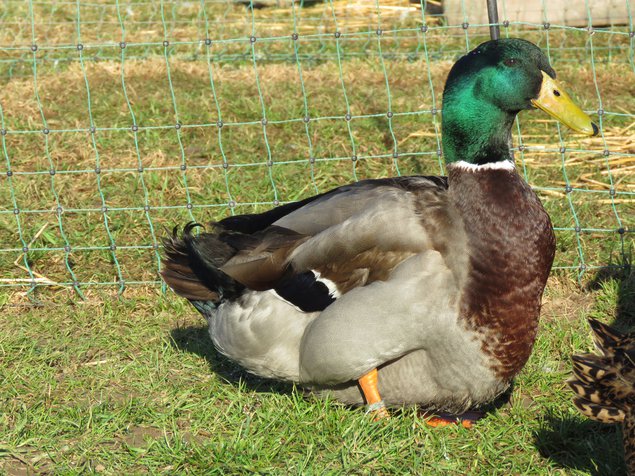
x: 122, y: 119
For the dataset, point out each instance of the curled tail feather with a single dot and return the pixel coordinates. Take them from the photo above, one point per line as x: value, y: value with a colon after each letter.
x: 192, y: 265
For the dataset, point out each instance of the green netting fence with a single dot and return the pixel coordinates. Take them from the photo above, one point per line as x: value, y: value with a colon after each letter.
x: 120, y: 119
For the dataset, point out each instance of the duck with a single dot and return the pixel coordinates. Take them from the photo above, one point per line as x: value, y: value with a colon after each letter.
x: 604, y: 384
x: 398, y: 291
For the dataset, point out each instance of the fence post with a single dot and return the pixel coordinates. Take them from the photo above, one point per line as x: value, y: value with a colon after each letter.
x: 492, y: 15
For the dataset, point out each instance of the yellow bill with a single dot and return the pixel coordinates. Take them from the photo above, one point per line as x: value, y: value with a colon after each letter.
x: 557, y: 103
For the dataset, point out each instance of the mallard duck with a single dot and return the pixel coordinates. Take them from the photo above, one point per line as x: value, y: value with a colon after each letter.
x: 605, y: 383
x: 395, y: 291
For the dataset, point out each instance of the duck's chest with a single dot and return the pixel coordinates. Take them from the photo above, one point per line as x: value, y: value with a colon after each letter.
x: 510, y: 251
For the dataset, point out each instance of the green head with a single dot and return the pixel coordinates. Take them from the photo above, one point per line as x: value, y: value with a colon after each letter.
x: 487, y: 88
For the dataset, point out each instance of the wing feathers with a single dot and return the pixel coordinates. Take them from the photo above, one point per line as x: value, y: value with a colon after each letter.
x: 262, y: 259
x: 390, y: 225
x: 599, y: 413
x: 606, y: 338
x: 309, y: 251
x: 605, y: 384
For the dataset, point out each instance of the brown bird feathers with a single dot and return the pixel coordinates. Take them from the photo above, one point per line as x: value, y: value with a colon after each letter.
x: 605, y: 383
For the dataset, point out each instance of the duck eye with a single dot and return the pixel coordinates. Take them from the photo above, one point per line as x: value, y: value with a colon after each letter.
x: 510, y: 62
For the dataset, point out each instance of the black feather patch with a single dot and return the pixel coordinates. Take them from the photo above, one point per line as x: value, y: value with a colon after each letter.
x: 305, y: 291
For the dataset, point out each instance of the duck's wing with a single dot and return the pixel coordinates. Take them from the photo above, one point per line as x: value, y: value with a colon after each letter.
x: 609, y: 340
x: 312, y: 251
x: 593, y: 382
x: 605, y: 384
x: 316, y: 213
x: 613, y: 383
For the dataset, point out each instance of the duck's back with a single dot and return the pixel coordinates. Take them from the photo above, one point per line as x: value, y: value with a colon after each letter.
x: 312, y: 251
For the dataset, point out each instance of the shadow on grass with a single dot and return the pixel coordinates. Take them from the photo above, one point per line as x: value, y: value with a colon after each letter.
x: 583, y: 445
x: 624, y: 274
x: 196, y: 340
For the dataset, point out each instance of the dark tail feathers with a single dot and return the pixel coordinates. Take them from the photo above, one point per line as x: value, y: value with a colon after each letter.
x: 192, y: 262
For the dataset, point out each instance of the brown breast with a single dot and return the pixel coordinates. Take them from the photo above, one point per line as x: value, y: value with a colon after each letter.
x: 511, y: 246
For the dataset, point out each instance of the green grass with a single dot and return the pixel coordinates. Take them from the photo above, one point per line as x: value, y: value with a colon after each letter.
x: 130, y: 386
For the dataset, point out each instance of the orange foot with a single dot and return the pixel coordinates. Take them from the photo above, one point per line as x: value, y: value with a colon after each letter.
x: 466, y: 420
x: 436, y: 422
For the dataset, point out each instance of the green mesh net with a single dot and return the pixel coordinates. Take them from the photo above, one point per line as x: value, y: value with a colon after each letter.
x: 120, y: 120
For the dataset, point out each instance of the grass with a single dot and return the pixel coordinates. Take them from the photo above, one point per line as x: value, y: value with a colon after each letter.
x: 131, y: 385
x: 134, y: 385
